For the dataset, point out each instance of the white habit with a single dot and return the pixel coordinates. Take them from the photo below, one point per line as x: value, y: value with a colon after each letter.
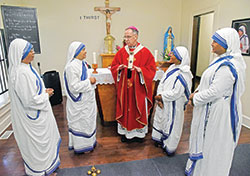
x: 81, y: 103
x: 33, y: 122
x: 168, y: 122
x: 213, y: 138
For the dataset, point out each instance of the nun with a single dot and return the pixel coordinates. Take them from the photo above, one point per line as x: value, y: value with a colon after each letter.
x: 33, y: 122
x: 217, y: 112
x: 81, y: 103
x: 244, y: 41
x: 172, y: 96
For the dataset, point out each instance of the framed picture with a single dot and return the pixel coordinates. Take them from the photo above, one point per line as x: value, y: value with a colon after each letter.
x: 243, y: 28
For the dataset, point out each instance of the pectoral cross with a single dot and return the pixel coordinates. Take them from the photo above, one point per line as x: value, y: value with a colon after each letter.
x: 107, y: 11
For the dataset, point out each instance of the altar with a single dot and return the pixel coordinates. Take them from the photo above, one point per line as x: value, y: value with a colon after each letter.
x: 106, y: 93
x: 107, y: 59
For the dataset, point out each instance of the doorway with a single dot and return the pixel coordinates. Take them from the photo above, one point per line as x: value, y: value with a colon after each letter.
x: 201, y: 45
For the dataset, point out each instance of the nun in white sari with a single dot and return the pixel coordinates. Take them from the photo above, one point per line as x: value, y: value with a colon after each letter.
x: 81, y: 103
x: 244, y: 40
x: 173, y: 91
x: 33, y: 122
x: 217, y: 113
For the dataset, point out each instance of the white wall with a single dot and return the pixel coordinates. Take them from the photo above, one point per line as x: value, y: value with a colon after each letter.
x: 224, y: 12
x: 204, y: 47
x: 59, y: 24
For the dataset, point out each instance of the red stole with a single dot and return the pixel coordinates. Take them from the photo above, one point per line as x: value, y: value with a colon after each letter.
x: 131, y: 111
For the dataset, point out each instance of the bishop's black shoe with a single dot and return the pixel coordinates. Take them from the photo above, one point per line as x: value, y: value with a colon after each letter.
x: 140, y: 140
x: 124, y: 139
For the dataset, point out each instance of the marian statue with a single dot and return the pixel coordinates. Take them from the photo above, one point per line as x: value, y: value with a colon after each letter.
x: 168, y: 43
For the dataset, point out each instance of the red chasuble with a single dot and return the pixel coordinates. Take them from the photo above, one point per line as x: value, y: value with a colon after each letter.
x: 131, y: 111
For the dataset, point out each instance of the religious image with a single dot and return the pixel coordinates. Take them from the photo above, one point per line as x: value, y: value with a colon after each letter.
x: 168, y: 44
x: 109, y: 39
x: 242, y: 27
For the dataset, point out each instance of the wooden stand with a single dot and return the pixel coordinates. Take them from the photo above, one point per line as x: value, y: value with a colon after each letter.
x: 106, y: 103
x: 107, y: 59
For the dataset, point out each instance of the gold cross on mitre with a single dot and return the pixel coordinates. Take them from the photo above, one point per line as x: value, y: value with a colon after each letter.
x: 107, y: 11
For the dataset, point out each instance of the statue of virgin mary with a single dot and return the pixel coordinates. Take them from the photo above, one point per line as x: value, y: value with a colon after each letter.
x: 168, y: 44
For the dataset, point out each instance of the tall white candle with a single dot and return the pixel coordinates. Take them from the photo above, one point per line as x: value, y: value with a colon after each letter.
x: 156, y: 53
x: 94, y: 58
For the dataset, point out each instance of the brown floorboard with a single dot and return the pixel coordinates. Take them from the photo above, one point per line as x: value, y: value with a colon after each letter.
x: 108, y: 150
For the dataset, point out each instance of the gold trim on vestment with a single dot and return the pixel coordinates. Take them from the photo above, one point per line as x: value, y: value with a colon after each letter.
x: 137, y: 118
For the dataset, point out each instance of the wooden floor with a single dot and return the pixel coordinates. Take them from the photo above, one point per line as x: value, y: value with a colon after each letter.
x: 109, y: 148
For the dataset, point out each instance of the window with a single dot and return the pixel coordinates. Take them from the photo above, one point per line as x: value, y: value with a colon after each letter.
x: 3, y: 71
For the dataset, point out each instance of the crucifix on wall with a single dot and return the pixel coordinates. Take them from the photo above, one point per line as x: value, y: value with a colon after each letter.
x: 107, y: 11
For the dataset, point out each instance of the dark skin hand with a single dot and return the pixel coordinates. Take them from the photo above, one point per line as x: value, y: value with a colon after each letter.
x: 159, y: 101
x: 190, y: 102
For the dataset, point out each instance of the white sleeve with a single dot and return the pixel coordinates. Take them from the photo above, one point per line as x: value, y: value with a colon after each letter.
x: 160, y: 85
x: 26, y: 90
x: 119, y: 75
x: 159, y: 88
x: 174, y: 93
x: 141, y: 78
x: 74, y: 82
x: 223, y: 81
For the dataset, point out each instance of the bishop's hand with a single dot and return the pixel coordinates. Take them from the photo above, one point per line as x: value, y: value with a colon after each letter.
x: 121, y: 67
x: 138, y: 69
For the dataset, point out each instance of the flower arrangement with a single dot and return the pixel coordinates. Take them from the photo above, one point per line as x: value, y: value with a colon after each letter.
x: 167, y: 56
x: 117, y: 47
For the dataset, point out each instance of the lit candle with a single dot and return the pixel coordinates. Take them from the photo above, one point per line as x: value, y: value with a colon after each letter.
x: 94, y: 58
x: 156, y: 53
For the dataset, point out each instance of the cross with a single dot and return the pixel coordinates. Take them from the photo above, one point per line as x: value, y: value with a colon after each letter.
x: 107, y: 11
